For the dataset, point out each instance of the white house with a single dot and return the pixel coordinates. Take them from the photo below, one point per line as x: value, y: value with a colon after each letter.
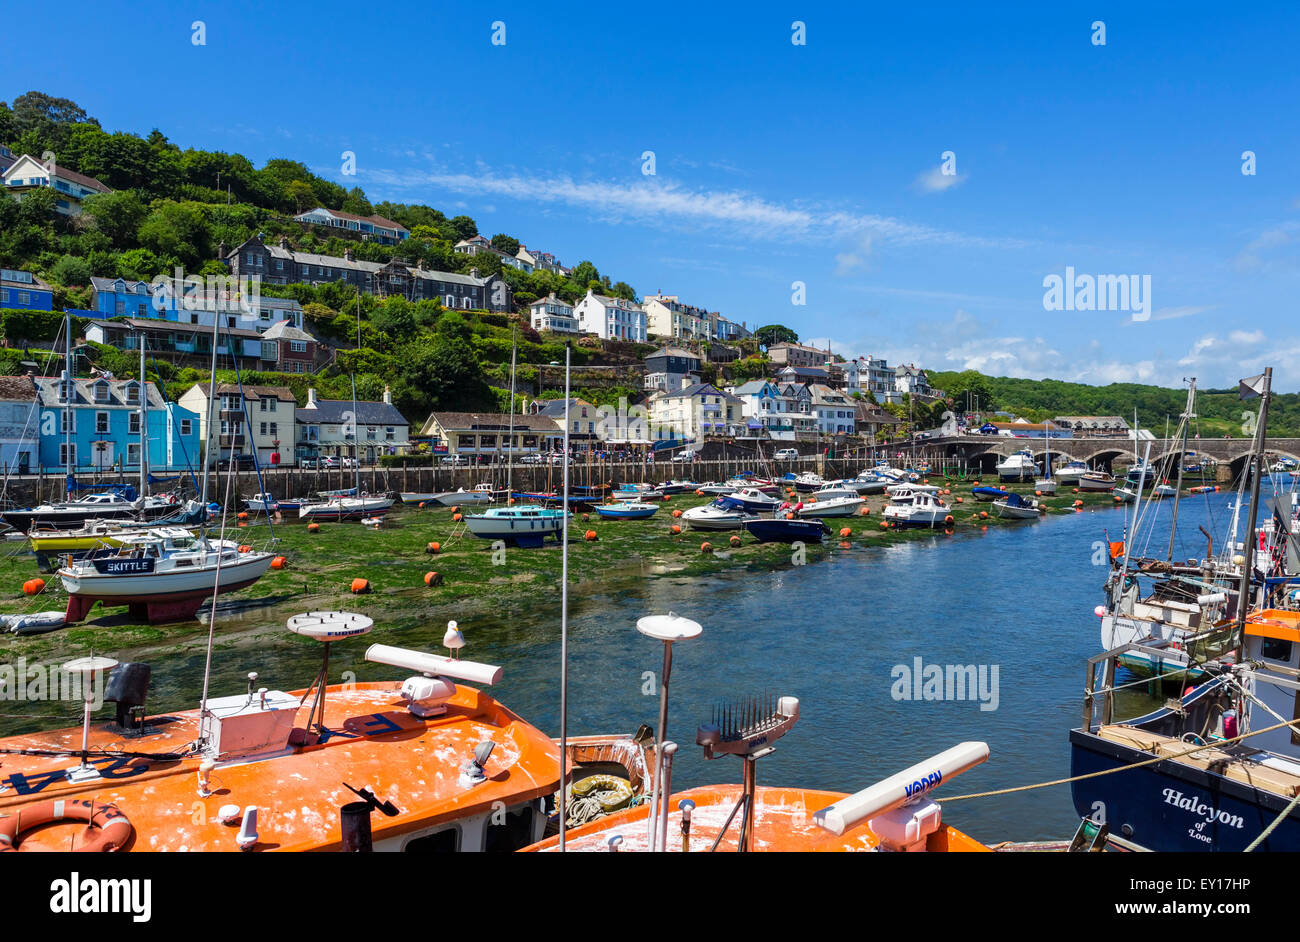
x: 378, y: 228
x: 262, y: 421
x: 696, y: 411
x: 477, y: 243
x: 28, y: 173
x: 552, y: 313
x: 834, y: 409
x: 611, y: 318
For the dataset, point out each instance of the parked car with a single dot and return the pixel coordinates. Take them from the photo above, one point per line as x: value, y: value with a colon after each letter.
x: 786, y: 454
x: 687, y: 455
x: 238, y: 462
x: 532, y: 459
x: 455, y: 459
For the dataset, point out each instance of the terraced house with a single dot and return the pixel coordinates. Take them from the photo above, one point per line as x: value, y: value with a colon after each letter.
x: 341, y: 428
x: 257, y: 420
x: 21, y: 290
x: 94, y: 425
x: 280, y: 265
x: 610, y: 318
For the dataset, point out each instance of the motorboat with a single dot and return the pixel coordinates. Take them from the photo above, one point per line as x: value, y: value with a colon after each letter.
x: 807, y: 482
x: 715, y: 516
x: 345, y: 508
x: 117, y: 503
x: 627, y: 510
x: 831, y: 503
x: 1125, y: 494
x: 52, y: 544
x: 482, y: 493
x: 525, y: 525
x: 1140, y: 473
x: 669, y: 488
x: 868, y: 482
x: 1017, y: 467
x: 1071, y: 472
x: 985, y: 493
x: 1096, y: 481
x: 163, y: 576
x: 908, y: 507
x: 1015, y: 507
x: 751, y: 500
x: 715, y: 490
x: 265, y: 503
x: 781, y: 530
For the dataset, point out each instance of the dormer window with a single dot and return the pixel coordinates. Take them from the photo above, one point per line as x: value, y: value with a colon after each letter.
x: 102, y: 391
x: 133, y: 393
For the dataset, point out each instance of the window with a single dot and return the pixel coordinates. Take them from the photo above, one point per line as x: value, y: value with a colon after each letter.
x: 133, y: 453
x: 187, y: 426
x: 133, y: 393
x: 264, y: 405
x: 370, y: 431
x: 67, y: 454
x: 298, y: 346
x: 265, y: 314
x: 133, y: 424
x: 389, y: 434
x: 1276, y: 650
x: 101, y: 423
x: 275, y: 430
x: 120, y: 307
x: 466, y: 441
x: 261, y: 430
x: 69, y: 421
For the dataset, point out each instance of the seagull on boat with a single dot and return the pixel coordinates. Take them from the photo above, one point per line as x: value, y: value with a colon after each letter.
x: 453, y: 640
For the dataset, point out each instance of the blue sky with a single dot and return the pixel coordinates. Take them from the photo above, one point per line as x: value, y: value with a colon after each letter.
x: 778, y: 163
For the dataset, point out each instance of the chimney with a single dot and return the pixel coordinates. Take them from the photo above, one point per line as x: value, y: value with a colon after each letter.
x: 388, y: 395
x: 311, y: 397
x: 473, y: 272
x: 686, y: 382
x: 284, y: 242
x: 350, y: 255
x: 222, y: 250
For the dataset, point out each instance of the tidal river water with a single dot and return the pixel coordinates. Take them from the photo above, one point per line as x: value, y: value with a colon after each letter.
x: 839, y: 633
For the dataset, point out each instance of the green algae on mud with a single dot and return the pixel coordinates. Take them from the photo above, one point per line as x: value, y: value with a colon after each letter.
x: 475, y: 577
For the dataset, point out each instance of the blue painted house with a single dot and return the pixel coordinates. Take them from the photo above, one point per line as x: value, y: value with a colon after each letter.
x: 24, y: 291
x: 98, y: 428
x: 120, y: 297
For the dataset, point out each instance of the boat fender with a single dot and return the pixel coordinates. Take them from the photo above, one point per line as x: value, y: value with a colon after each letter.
x: 107, y: 828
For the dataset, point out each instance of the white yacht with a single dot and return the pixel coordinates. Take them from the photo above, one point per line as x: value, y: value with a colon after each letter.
x: 1018, y: 467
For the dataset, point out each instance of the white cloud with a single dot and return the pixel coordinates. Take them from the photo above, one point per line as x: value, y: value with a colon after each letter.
x: 849, y: 262
x: 936, y: 181
x: 655, y: 199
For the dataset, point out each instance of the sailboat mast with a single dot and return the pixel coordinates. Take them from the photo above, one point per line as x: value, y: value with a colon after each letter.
x: 1188, y: 415
x: 212, y: 401
x: 144, y: 426
x: 564, y: 611
x: 1255, y: 468
x: 510, y: 464
x: 356, y: 438
x: 68, y: 387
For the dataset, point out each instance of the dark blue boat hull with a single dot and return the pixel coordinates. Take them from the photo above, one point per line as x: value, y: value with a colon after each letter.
x: 1170, y: 806
x: 787, y: 531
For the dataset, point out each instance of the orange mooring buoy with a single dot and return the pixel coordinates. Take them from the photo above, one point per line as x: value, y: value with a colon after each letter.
x: 845, y: 533
x: 33, y: 586
x: 735, y: 540
x: 433, y: 548
x: 677, y: 512
x: 432, y: 578
x: 676, y: 528
x: 706, y: 547
x: 455, y: 518
x: 360, y: 586
x: 279, y: 562
x: 242, y: 515
x: 313, y: 527
x: 590, y: 536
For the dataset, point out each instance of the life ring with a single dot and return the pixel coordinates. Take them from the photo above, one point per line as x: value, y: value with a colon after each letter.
x: 110, y: 829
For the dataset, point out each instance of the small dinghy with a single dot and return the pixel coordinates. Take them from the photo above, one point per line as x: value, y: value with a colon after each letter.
x: 984, y: 493
x: 33, y: 623
x: 627, y: 510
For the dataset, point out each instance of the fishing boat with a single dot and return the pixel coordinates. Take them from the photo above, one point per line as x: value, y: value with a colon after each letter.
x: 749, y: 499
x: 868, y: 482
x: 524, y: 525
x: 715, y: 516
x: 1017, y: 467
x: 1070, y: 472
x: 986, y: 493
x: 162, y: 576
x: 895, y: 814
x: 908, y: 507
x: 627, y: 510
x: 780, y: 530
x: 1096, y: 481
x: 429, y: 763
x: 1216, y: 769
x: 1015, y: 507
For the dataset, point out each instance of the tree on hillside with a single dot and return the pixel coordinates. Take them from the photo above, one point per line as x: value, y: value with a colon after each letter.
x: 118, y: 215
x: 463, y: 227
x: 775, y: 333
x: 504, y: 243
x: 357, y: 204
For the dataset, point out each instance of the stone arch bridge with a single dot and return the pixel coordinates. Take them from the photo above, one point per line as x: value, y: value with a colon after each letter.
x: 985, y: 451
